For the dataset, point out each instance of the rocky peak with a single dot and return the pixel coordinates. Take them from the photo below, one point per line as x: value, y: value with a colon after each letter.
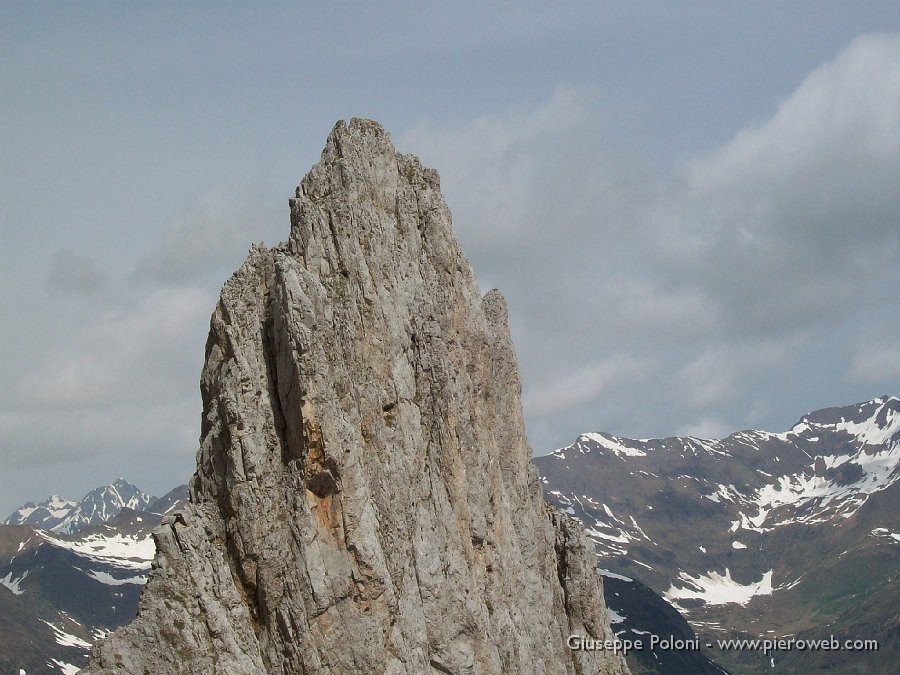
x: 56, y: 514
x: 879, y: 417
x: 364, y: 499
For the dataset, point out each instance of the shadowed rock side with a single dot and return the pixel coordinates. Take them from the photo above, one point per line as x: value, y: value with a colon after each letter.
x: 364, y: 500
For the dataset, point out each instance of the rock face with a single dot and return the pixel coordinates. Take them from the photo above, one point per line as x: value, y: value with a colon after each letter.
x: 364, y: 500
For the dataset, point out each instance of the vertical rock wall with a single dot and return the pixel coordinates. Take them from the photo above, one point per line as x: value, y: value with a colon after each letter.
x: 364, y: 500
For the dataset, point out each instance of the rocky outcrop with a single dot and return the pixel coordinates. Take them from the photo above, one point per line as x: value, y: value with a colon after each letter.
x: 364, y: 500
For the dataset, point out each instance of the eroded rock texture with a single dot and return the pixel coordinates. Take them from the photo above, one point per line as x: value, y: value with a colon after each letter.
x: 364, y: 500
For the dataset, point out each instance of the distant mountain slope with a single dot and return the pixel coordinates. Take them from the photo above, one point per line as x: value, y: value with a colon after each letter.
x: 48, y: 514
x: 59, y: 593
x: 56, y: 514
x: 638, y: 613
x: 755, y: 534
x: 170, y: 501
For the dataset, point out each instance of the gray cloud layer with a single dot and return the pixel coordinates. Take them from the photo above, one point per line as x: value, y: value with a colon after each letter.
x: 72, y: 273
x: 749, y: 282
x: 648, y: 304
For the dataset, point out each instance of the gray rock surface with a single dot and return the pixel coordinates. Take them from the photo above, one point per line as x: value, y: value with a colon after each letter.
x: 364, y: 500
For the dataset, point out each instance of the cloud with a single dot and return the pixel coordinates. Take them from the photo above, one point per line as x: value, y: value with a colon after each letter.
x: 841, y: 118
x: 121, y: 390
x: 717, y: 292
x: 722, y: 277
x: 718, y: 374
x: 165, y: 430
x: 134, y: 353
x: 209, y: 239
x: 705, y: 427
x: 791, y: 219
x: 543, y: 201
x: 583, y: 385
x: 119, y: 393
x: 876, y: 364
x: 71, y: 273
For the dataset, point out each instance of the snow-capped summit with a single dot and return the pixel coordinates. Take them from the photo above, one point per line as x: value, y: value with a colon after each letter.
x: 51, y: 510
x: 875, y: 422
x: 67, y: 517
x: 49, y: 513
x: 103, y: 503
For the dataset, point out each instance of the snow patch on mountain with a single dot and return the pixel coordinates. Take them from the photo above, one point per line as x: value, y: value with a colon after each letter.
x: 727, y: 493
x: 100, y: 571
x: 827, y: 487
x: 614, y: 616
x: 14, y: 584
x: 822, y: 491
x: 120, y: 550
x: 66, y: 668
x: 871, y: 431
x: 51, y: 511
x: 613, y: 443
x: 622, y: 538
x: 713, y: 588
x: 110, y: 580
x: 66, y: 639
x: 611, y: 534
x: 879, y: 532
x: 752, y: 515
x: 816, y: 498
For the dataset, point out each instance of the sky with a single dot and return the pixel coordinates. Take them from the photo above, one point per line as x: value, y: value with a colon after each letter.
x: 693, y: 209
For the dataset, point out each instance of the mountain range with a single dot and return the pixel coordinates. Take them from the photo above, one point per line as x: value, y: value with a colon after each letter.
x: 72, y: 572
x: 759, y: 534
x: 56, y: 514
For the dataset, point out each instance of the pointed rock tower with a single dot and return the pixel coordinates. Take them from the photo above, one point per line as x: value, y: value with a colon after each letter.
x: 364, y: 500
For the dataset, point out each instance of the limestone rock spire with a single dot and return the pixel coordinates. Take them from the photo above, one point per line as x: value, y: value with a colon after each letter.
x: 364, y: 500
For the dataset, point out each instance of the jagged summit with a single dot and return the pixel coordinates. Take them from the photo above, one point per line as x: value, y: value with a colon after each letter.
x: 67, y: 517
x: 363, y: 500
x: 876, y: 413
